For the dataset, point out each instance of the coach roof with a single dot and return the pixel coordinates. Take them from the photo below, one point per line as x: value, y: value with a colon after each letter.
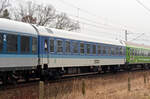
x: 11, y: 26
x: 75, y: 36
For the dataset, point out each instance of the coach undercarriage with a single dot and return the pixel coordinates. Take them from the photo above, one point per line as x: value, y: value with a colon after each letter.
x: 45, y: 73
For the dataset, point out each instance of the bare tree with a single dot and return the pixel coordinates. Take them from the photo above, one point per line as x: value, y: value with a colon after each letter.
x: 34, y: 13
x: 25, y: 12
x: 64, y: 22
x: 44, y: 15
x: 29, y: 19
x: 3, y: 5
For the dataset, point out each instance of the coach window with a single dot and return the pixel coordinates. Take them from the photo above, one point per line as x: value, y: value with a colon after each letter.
x: 130, y: 51
x: 104, y: 50
x: 51, y: 45
x: 120, y: 50
x: 75, y: 47
x: 112, y: 51
x: 99, y: 49
x: 124, y: 51
x: 67, y: 43
x: 1, y: 42
x: 148, y: 53
x: 142, y: 54
x: 94, y: 49
x: 133, y: 51
x: 82, y: 48
x: 136, y: 53
x: 25, y: 44
x: 34, y: 45
x: 117, y: 51
x: 109, y: 51
x: 59, y: 46
x: 88, y: 48
x: 139, y: 52
x: 46, y: 45
x: 12, y: 43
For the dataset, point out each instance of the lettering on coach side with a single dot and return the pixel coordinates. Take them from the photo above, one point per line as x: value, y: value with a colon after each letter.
x: 96, y: 61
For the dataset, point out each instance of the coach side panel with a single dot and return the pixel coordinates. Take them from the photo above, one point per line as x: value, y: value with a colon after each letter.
x: 60, y: 52
x: 17, y: 51
x: 138, y: 55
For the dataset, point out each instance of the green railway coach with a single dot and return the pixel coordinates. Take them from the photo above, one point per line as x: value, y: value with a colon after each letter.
x: 137, y: 54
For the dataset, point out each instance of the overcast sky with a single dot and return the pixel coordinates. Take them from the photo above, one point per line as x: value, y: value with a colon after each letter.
x: 112, y: 17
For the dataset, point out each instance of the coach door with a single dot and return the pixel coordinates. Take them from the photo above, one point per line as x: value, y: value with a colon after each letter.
x: 46, y: 51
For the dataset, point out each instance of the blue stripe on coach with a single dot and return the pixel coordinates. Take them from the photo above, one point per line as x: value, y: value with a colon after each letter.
x: 81, y: 56
x: 18, y: 56
x: 56, y: 56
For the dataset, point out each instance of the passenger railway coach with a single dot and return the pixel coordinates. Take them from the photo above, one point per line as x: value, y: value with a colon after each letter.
x: 34, y: 51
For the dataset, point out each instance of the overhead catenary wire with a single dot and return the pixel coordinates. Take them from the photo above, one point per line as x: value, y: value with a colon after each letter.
x: 89, y: 13
x: 144, y: 6
x: 92, y: 23
x: 108, y: 26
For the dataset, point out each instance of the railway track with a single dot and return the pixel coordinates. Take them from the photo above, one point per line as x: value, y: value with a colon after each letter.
x: 64, y: 78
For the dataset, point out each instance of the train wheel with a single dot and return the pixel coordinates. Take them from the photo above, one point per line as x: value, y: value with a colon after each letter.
x: 104, y: 69
x: 5, y: 78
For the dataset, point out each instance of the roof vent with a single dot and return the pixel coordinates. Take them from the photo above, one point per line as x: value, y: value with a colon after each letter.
x: 49, y: 30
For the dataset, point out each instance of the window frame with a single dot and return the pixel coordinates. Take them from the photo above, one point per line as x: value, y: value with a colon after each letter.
x: 46, y: 39
x: 83, y: 48
x: 2, y: 49
x: 109, y: 51
x: 73, y: 47
x: 104, y: 50
x: 99, y: 45
x: 69, y: 47
x: 94, y: 53
x: 50, y: 45
x: 18, y: 44
x: 36, y: 45
x: 29, y: 45
x: 57, y: 46
x: 87, y: 48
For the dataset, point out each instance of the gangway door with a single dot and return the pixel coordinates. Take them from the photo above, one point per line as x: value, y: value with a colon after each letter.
x: 45, y: 51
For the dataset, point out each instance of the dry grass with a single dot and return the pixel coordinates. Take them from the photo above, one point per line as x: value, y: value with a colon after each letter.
x: 106, y: 87
x: 109, y: 87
